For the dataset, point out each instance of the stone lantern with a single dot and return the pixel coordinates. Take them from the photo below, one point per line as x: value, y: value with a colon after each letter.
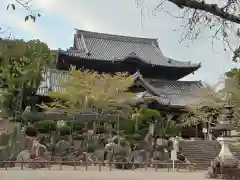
x: 225, y: 158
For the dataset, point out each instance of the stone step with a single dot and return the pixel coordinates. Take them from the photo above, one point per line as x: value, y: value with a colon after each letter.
x: 201, y: 152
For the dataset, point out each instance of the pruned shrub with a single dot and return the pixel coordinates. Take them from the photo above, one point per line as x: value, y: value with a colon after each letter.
x: 92, y: 147
x: 65, y: 130
x: 31, y: 131
x: 76, y: 126
x: 127, y: 125
x: 79, y: 137
x: 46, y: 126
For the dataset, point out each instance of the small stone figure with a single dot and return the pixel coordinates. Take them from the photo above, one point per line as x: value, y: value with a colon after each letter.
x: 176, y: 144
x: 36, y: 148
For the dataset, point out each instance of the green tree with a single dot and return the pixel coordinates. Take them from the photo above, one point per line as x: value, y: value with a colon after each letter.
x: 167, y: 127
x: 234, y: 74
x: 211, y: 101
x: 144, y: 114
x: 89, y: 91
x: 21, y: 64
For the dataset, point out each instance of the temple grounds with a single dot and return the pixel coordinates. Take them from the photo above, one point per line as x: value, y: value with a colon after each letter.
x: 94, y: 174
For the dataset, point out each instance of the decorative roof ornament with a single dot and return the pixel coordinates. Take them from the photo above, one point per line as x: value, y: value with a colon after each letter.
x: 132, y: 54
x: 89, y: 53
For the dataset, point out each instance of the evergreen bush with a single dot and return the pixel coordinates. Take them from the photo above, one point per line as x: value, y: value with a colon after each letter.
x: 31, y: 131
x: 127, y: 125
x: 92, y: 147
x: 79, y: 137
x: 46, y: 126
x: 100, y: 129
x: 76, y: 126
x: 64, y: 131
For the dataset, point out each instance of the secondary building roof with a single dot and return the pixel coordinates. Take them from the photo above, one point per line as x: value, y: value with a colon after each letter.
x: 174, y: 93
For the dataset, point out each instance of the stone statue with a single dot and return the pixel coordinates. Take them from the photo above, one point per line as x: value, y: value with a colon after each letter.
x: 176, y: 143
x: 27, y: 109
x: 35, y: 151
x: 61, y: 124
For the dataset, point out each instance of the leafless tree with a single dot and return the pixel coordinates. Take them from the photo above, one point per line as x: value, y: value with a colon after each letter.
x: 222, y: 18
x: 26, y: 5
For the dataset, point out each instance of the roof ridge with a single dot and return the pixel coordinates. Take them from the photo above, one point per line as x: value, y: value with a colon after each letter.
x: 117, y: 37
x: 166, y: 80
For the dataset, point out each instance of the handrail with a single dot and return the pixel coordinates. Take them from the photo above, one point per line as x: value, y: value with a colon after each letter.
x: 86, y: 164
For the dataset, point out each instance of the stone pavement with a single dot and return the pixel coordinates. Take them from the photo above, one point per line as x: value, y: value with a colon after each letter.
x: 93, y: 174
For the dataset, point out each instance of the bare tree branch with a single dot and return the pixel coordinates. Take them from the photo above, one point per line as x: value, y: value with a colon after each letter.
x: 25, y: 4
x: 210, y: 8
x: 197, y: 17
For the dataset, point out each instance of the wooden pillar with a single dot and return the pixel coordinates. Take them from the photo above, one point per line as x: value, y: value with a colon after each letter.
x: 196, y: 130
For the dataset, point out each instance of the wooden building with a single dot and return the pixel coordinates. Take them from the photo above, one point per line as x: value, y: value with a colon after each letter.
x: 154, y: 75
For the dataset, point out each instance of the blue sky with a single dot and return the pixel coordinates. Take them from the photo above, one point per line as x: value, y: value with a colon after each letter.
x: 59, y: 18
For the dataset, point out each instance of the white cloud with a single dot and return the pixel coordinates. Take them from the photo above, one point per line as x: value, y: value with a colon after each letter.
x: 15, y: 19
x: 123, y: 17
x: 72, y: 11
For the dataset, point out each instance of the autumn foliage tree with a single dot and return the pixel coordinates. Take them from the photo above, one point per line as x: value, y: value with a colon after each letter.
x: 211, y: 99
x: 87, y: 91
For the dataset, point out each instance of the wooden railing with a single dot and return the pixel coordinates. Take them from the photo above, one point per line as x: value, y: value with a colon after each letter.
x: 110, y: 165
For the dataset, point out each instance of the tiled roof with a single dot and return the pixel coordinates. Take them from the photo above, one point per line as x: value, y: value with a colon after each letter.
x: 99, y: 46
x: 175, y: 93
x: 179, y: 93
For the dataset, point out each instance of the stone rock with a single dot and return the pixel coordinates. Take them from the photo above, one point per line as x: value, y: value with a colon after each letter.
x: 62, y: 147
x: 35, y: 164
x: 99, y: 154
x: 160, y: 155
x: 42, y: 151
x: 12, y: 158
x: 61, y: 124
x: 140, y: 156
x: 67, y: 160
x: 22, y: 156
x: 47, y: 156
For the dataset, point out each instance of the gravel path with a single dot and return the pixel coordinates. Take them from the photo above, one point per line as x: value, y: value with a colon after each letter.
x: 80, y: 174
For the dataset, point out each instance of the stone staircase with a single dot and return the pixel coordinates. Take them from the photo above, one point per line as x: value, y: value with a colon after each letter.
x: 201, y: 152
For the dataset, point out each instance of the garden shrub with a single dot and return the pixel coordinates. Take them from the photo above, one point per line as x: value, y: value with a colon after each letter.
x: 92, y: 147
x: 46, y: 126
x: 127, y: 125
x: 137, y: 137
x: 133, y: 138
x: 65, y: 138
x: 64, y: 131
x: 143, y: 131
x: 100, y: 129
x: 76, y: 126
x: 31, y: 131
x: 79, y: 137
